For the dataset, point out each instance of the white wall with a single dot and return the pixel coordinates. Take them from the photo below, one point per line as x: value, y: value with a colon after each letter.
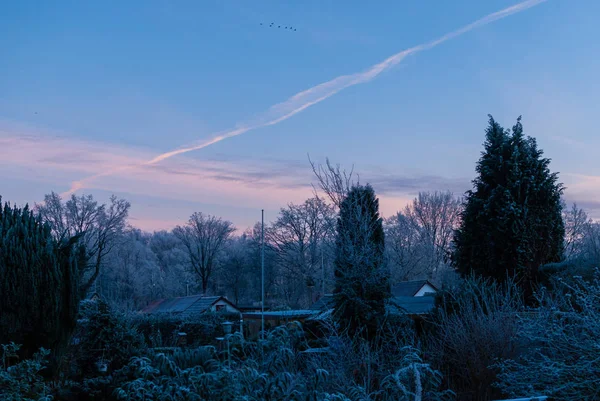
x: 424, y: 290
x: 228, y: 307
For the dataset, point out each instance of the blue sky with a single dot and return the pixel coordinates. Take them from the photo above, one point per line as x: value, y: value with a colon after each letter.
x: 89, y: 86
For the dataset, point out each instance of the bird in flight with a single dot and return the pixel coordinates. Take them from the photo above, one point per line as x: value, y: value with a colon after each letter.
x: 272, y: 24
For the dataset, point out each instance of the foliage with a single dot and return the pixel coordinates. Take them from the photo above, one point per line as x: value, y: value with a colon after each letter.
x: 512, y: 223
x: 103, y: 336
x: 271, y: 371
x: 161, y: 330
x: 22, y: 381
x: 362, y: 281
x: 474, y: 325
x: 560, y: 345
x: 38, y: 283
x: 276, y: 369
x: 388, y: 368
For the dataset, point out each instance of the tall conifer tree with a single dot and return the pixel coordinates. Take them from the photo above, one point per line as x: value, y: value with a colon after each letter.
x: 362, y: 281
x: 511, y: 224
x: 39, y: 296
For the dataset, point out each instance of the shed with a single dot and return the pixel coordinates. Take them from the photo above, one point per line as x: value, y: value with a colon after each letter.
x: 191, y: 305
x: 413, y: 298
x: 413, y: 306
x: 414, y: 288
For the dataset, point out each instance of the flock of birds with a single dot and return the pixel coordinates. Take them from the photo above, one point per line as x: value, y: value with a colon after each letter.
x: 272, y: 25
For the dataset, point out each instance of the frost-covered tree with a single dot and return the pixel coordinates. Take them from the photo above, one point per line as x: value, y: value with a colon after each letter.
x: 300, y: 238
x: 99, y: 227
x: 234, y: 274
x: 172, y: 260
x: 361, y: 277
x: 131, y: 277
x: 39, y: 282
x: 204, y: 237
x: 577, y: 224
x: 419, y: 238
x: 512, y: 222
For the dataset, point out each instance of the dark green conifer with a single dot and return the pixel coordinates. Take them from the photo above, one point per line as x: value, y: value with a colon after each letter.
x: 511, y: 224
x: 39, y: 296
x: 362, y: 281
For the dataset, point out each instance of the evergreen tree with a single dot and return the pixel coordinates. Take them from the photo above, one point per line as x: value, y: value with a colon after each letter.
x: 39, y: 296
x: 511, y: 224
x: 361, y: 279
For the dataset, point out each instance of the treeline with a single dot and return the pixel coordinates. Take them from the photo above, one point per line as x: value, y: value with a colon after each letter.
x: 205, y: 255
x: 517, y: 314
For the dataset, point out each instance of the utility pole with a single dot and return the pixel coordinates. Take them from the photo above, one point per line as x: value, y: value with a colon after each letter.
x: 322, y: 275
x: 262, y: 272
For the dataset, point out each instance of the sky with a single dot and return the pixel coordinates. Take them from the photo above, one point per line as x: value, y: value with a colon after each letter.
x: 95, y: 97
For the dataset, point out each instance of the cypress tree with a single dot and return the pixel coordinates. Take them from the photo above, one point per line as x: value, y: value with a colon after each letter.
x: 362, y: 282
x: 38, y: 284
x: 511, y: 224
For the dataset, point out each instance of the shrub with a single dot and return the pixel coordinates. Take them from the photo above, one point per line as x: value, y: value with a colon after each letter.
x: 22, y: 381
x: 474, y: 325
x: 561, y: 354
x: 103, y: 335
x: 161, y: 330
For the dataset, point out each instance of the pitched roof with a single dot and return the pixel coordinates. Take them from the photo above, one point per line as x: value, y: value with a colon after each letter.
x: 194, y: 304
x: 409, y: 288
x: 411, y: 305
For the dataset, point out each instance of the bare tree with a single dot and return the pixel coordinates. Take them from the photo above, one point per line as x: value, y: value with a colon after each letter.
x: 298, y: 237
x: 204, y: 237
x: 420, y: 237
x: 404, y: 248
x: 576, y: 227
x: 100, y: 227
x: 591, y: 246
x: 333, y: 181
x: 131, y: 276
x: 236, y: 267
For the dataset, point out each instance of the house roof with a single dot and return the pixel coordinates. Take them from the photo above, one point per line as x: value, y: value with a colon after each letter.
x: 409, y: 288
x: 251, y: 308
x: 297, y: 313
x: 194, y: 304
x: 407, y: 304
x: 411, y: 305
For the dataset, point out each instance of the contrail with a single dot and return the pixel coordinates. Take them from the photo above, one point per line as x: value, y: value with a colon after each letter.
x: 302, y: 100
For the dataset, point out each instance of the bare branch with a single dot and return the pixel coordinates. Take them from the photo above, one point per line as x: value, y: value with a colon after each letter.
x: 333, y: 181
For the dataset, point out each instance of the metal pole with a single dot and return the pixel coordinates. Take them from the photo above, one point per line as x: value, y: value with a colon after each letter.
x: 262, y: 272
x: 322, y: 275
x: 228, y: 353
